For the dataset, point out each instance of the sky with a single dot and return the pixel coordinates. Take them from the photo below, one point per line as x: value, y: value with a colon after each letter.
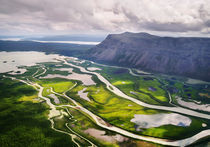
x: 53, y: 17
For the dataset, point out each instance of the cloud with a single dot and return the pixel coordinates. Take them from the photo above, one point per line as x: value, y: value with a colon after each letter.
x: 70, y: 16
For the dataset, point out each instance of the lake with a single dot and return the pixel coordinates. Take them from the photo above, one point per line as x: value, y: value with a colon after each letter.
x: 10, y: 61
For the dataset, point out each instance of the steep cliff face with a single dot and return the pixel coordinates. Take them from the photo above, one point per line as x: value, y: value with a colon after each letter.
x: 185, y: 56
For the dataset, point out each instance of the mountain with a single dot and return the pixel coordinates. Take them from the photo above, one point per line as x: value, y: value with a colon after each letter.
x: 58, y: 48
x: 82, y: 37
x: 185, y: 56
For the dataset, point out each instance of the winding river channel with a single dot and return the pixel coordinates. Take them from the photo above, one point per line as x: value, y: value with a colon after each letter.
x: 100, y: 122
x: 116, y: 91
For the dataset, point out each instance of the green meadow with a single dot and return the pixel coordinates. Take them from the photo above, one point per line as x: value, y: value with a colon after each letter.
x: 24, y: 120
x: 20, y: 103
x: 119, y: 111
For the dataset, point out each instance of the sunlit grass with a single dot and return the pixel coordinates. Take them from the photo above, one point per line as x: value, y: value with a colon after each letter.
x: 123, y: 83
x: 32, y: 98
x: 114, y: 109
x: 58, y: 85
x: 159, y: 93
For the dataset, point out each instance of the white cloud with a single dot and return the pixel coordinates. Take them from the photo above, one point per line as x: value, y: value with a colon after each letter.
x: 66, y: 16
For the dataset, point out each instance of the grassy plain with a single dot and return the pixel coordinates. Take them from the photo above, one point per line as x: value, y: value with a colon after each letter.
x: 113, y: 109
x: 58, y: 85
x: 24, y: 123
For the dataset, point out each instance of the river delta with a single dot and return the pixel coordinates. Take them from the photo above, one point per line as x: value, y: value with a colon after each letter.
x: 93, y: 104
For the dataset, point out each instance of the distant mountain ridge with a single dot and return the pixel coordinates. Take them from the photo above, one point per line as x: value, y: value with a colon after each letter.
x: 87, y: 38
x: 56, y: 48
x: 186, y: 56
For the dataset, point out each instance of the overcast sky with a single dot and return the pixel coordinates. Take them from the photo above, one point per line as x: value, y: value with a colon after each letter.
x: 35, y: 17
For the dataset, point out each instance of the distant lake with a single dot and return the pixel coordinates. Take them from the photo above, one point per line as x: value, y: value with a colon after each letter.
x: 9, y: 61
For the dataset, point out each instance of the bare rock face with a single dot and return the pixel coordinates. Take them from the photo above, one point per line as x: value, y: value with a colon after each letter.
x: 186, y: 56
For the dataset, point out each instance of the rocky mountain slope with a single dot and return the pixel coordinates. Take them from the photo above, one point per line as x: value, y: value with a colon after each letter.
x: 186, y: 56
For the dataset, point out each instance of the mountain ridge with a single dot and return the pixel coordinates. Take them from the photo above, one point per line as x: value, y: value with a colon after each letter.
x: 185, y: 56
